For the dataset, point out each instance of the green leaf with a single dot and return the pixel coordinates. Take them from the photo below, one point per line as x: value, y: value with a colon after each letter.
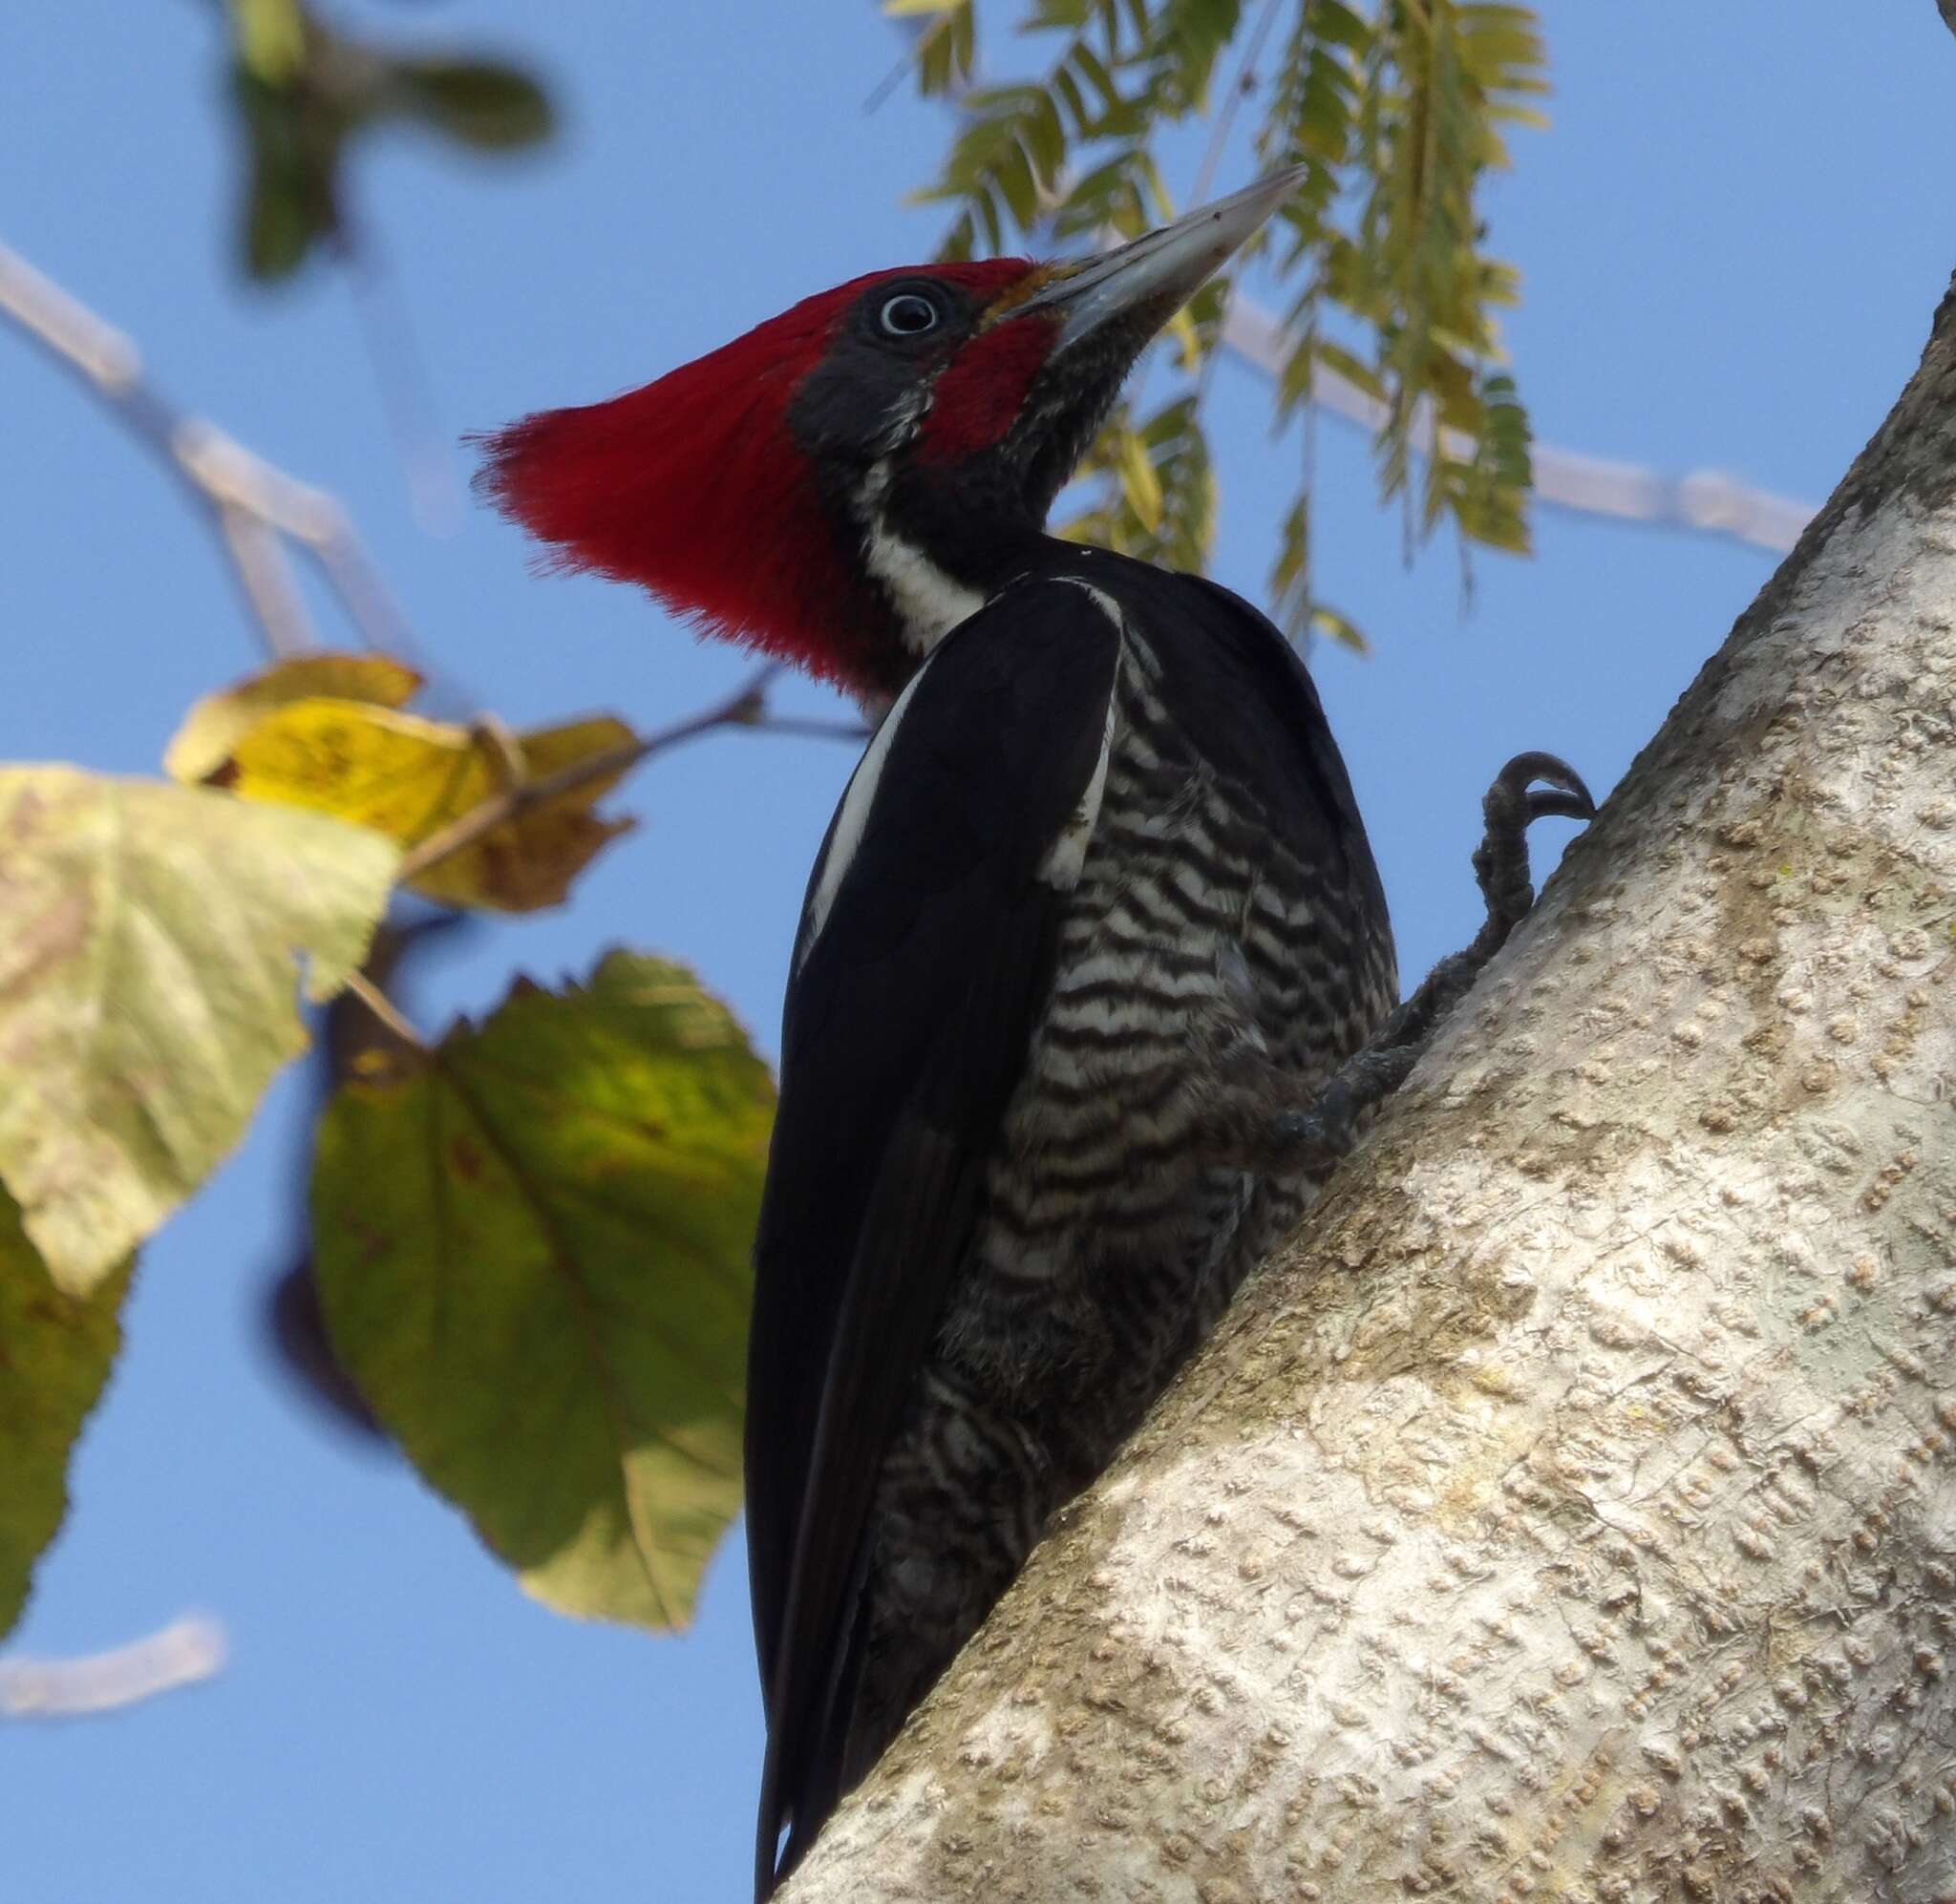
x: 1186, y: 38
x: 946, y: 51
x: 1337, y: 628
x: 1409, y: 105
x: 280, y: 228
x: 148, y: 938
x: 1290, y: 572
x: 1016, y: 141
x: 303, y: 91
x: 56, y: 1354
x: 532, y: 1253
x: 294, y: 141
x: 1159, y: 490
x: 1360, y: 376
x: 1138, y: 483
x: 477, y: 103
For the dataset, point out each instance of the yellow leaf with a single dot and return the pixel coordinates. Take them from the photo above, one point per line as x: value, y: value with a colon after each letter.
x: 220, y: 720
x: 409, y: 779
x: 1139, y: 482
x: 272, y: 38
x: 1188, y: 343
x: 898, y: 9
x: 1346, y: 633
x: 149, y: 940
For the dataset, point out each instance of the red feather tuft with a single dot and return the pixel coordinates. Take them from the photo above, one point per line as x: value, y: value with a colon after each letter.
x: 693, y: 488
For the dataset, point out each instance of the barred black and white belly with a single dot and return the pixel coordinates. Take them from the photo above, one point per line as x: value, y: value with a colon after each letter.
x: 1113, y: 1233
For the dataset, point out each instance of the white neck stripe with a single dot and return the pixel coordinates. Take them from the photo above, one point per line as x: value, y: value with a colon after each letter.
x: 929, y: 602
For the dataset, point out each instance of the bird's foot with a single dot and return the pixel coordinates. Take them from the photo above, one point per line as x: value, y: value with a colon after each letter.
x: 1511, y: 806
x: 1325, y: 1131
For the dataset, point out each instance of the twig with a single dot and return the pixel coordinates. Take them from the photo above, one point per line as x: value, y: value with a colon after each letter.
x: 1239, y: 90
x: 745, y: 707
x: 921, y: 37
x: 400, y: 375
x: 265, y: 576
x: 810, y: 729
x: 183, y: 1653
x: 1704, y: 499
x: 892, y: 79
x: 254, y: 508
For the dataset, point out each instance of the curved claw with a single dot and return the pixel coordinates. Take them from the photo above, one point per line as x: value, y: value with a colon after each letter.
x: 1571, y: 799
x: 1577, y: 806
x: 1511, y: 806
x: 1328, y: 1128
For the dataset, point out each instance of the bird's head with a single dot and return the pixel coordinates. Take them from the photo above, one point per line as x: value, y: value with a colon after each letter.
x: 847, y: 481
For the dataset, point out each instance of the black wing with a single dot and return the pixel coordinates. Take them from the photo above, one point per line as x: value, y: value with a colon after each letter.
x: 1238, y: 683
x: 926, y: 952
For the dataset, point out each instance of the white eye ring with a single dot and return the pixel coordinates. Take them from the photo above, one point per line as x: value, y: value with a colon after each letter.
x: 908, y: 315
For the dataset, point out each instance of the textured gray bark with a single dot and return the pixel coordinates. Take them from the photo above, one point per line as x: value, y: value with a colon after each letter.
x: 1570, y: 1511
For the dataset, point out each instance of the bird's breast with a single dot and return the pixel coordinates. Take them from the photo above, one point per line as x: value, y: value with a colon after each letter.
x: 1191, y: 927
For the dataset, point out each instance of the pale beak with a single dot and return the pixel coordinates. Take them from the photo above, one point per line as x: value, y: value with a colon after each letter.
x: 1157, y: 274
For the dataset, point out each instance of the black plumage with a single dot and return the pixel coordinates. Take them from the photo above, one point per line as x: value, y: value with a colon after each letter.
x: 1001, y: 1207
x: 1093, y: 982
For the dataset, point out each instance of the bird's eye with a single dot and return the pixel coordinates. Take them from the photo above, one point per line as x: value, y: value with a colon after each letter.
x: 909, y: 316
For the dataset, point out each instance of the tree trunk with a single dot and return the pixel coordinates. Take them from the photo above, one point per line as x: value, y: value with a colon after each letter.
x: 1569, y: 1511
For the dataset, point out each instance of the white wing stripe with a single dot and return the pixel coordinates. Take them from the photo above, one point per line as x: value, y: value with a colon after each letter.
x: 851, y: 818
x: 1064, y: 858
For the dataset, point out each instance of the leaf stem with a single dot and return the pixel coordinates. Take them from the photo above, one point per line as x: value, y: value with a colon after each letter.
x: 1240, y: 88
x: 745, y: 707
x: 360, y: 987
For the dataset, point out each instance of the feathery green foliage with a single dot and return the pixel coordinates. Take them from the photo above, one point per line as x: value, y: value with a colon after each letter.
x: 1157, y: 498
x: 1398, y: 110
x: 946, y: 50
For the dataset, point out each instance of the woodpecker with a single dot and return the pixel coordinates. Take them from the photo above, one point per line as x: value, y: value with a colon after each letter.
x: 1093, y: 981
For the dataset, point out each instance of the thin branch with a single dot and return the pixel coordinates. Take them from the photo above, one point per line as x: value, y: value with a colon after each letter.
x: 921, y: 34
x: 400, y: 375
x: 811, y: 729
x: 1706, y: 501
x: 254, y: 508
x: 1239, y: 89
x: 892, y: 79
x: 745, y: 707
x: 183, y: 1653
x: 259, y: 558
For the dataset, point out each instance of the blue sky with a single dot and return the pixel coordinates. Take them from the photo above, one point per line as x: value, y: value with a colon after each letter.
x: 1732, y: 240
